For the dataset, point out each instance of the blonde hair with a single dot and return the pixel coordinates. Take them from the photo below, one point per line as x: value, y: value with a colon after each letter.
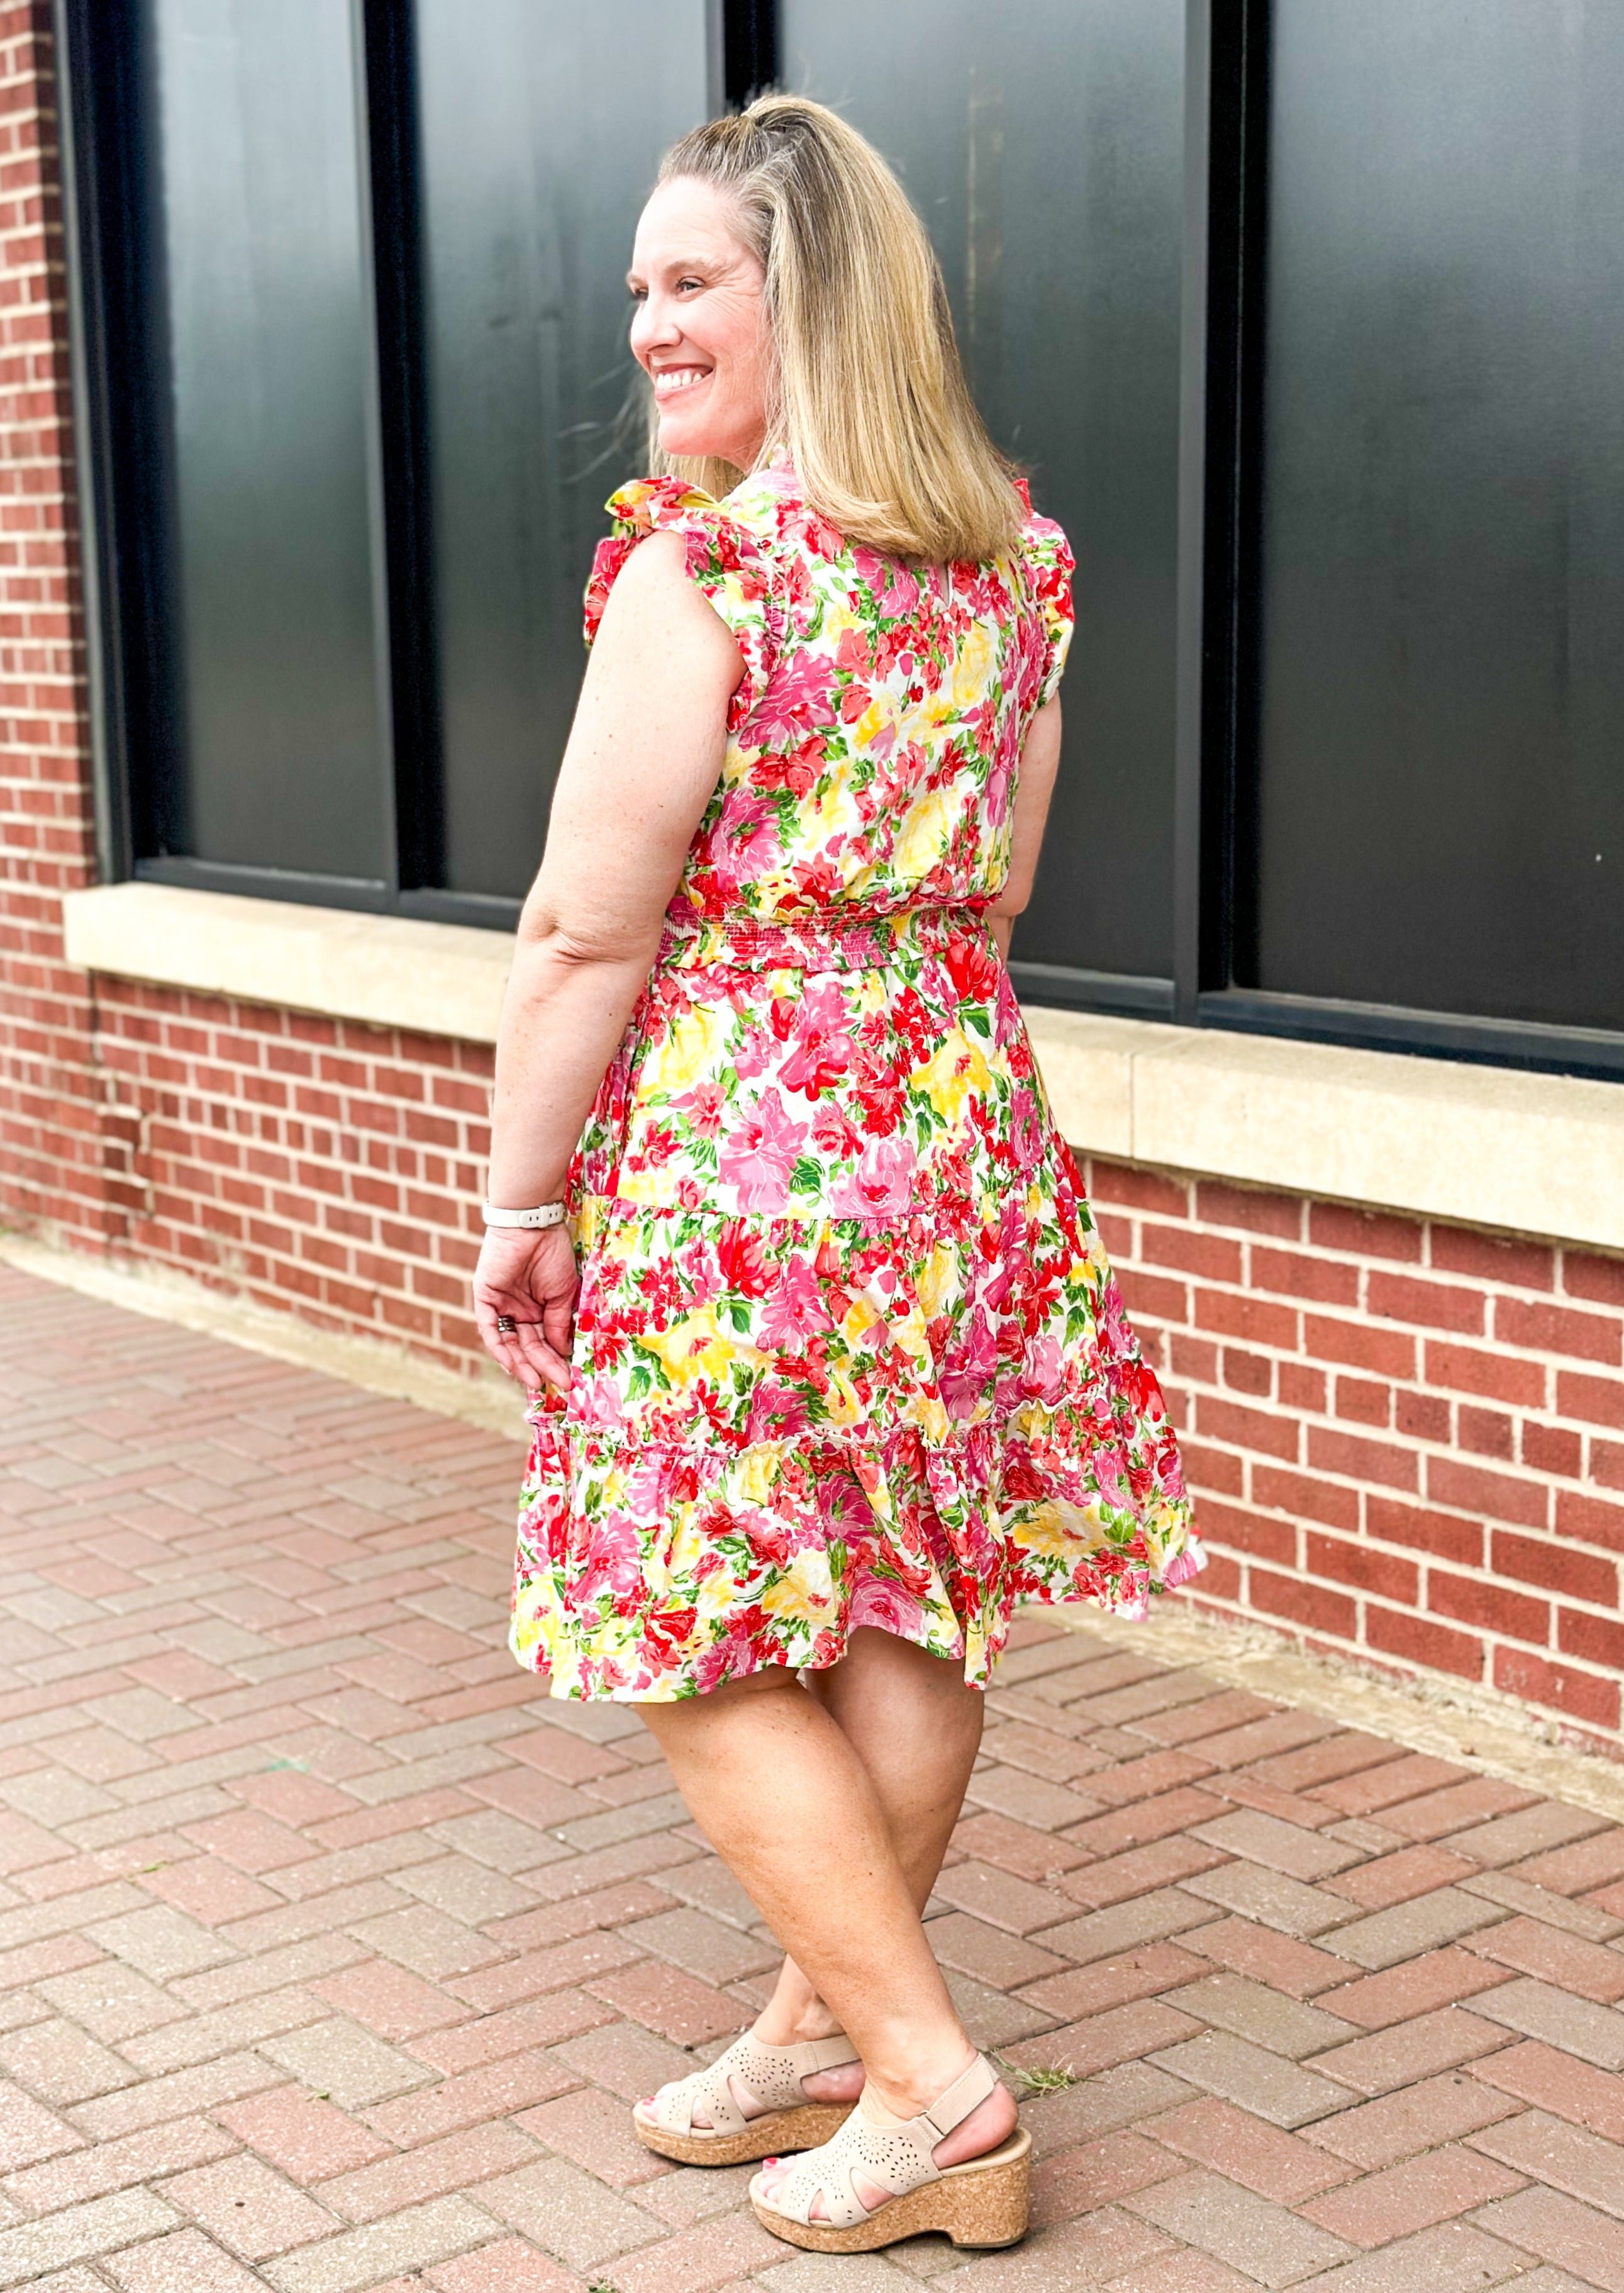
x: 871, y: 401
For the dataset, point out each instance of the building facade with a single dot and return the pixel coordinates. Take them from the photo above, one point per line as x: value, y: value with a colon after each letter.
x: 1305, y: 320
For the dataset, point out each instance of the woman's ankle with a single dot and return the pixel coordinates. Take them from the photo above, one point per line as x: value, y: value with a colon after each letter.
x: 784, y: 2023
x: 907, y: 2085
x: 795, y: 2014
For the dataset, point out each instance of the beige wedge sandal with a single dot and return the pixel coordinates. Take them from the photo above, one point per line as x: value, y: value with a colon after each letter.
x: 771, y: 2076
x: 982, y: 2202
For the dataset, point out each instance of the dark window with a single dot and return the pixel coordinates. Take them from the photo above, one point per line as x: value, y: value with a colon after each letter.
x: 264, y: 743
x: 535, y: 153
x: 1044, y: 145
x: 1440, y: 802
x: 356, y: 270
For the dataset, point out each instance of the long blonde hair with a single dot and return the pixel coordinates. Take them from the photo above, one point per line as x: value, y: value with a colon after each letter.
x: 871, y: 401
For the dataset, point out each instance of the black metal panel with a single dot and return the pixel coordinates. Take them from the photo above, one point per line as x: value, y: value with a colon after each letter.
x: 1595, y: 1051
x: 539, y: 126
x: 361, y: 892
x: 749, y: 44
x: 263, y: 739
x: 316, y: 887
x: 1044, y: 146
x: 404, y: 540
x: 1199, y: 558
x: 1440, y: 807
x: 89, y: 160
x: 1072, y: 989
x: 125, y: 491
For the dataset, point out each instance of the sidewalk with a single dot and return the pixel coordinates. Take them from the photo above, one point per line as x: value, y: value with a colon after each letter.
x: 330, y: 1956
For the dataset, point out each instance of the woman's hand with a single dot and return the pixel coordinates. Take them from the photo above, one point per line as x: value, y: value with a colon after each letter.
x: 529, y: 1278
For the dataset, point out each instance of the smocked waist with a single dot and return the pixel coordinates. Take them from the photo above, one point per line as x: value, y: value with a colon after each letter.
x: 825, y: 940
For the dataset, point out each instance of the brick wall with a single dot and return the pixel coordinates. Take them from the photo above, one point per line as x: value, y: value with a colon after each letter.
x: 1407, y: 1440
x: 313, y: 1163
x: 58, y: 1157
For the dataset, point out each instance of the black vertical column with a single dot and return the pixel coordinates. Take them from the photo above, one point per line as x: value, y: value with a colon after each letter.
x: 749, y: 41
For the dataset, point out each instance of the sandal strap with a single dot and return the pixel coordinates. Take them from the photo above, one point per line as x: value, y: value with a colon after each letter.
x: 900, y: 2158
x: 968, y: 2092
x: 771, y: 2076
x: 712, y: 2086
x: 814, y: 2054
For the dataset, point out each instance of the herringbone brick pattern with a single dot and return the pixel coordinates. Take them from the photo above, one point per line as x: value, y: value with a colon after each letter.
x: 330, y: 1954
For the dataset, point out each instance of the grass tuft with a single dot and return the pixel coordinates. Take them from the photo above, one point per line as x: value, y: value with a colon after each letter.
x: 1046, y: 2078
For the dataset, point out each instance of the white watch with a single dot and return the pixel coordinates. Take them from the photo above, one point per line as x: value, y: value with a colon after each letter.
x: 544, y: 1214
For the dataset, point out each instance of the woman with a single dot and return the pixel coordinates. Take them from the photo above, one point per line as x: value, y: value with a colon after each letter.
x: 841, y: 1372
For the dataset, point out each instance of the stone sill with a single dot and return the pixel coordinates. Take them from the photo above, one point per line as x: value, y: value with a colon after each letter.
x: 389, y: 971
x: 1534, y: 1155
x: 1486, y: 1146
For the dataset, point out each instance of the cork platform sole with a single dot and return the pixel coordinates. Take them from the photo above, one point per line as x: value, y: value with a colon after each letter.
x: 773, y: 2135
x: 983, y: 2202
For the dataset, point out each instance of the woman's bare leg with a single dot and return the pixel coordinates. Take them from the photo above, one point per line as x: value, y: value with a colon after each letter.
x: 917, y: 1728
x: 782, y: 1792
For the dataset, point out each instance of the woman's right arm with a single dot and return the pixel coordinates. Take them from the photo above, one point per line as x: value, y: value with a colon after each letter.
x: 1034, y: 786
x: 643, y: 760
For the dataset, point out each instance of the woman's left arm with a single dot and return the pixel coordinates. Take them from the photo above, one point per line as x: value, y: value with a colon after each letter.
x: 642, y: 762
x: 1034, y: 786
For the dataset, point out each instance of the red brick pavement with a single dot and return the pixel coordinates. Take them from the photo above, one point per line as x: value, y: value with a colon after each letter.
x: 330, y: 1955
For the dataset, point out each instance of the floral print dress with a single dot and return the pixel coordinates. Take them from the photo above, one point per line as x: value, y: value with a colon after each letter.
x: 847, y: 1348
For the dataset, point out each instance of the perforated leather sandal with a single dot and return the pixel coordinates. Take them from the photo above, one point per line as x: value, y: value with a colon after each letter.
x: 771, y: 2076
x: 982, y: 2202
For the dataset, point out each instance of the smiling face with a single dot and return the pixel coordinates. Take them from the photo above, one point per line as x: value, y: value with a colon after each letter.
x: 701, y: 329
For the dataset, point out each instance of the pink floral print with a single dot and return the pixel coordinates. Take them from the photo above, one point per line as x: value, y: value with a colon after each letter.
x: 848, y: 1350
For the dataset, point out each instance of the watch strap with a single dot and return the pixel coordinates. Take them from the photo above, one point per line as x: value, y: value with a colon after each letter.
x: 543, y: 1214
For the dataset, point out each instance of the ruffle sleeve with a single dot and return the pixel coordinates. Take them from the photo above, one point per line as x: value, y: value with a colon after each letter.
x: 1050, y: 564
x: 726, y: 563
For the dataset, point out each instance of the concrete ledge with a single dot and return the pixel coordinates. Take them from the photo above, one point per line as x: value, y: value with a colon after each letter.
x: 1486, y: 1146
x: 431, y: 979
x: 1490, y: 1147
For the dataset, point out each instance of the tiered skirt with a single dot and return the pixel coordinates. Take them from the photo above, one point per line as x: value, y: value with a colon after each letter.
x: 848, y: 1350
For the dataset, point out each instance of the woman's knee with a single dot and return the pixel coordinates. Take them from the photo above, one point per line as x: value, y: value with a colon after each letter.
x: 884, y: 1680
x: 873, y: 1653
x: 688, y: 1715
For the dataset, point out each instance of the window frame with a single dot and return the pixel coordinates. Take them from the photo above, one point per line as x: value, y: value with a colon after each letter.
x: 1220, y: 427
